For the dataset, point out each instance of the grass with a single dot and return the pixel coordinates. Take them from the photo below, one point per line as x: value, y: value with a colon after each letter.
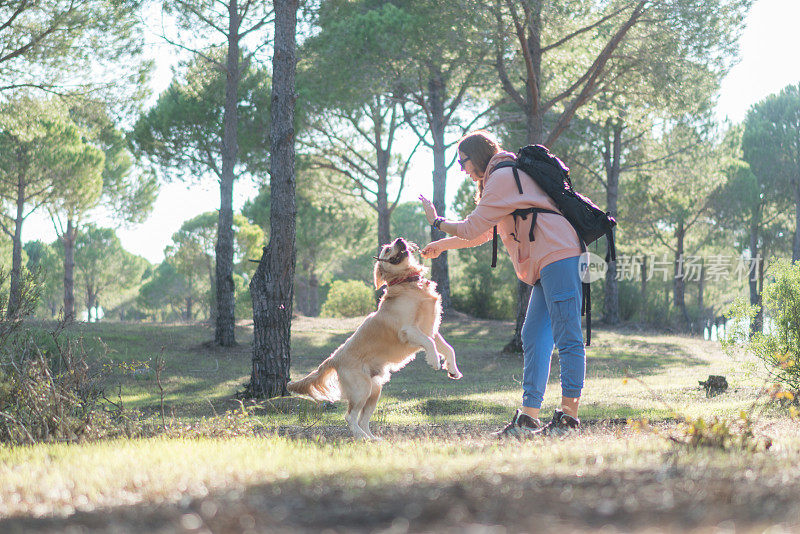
x: 436, y: 469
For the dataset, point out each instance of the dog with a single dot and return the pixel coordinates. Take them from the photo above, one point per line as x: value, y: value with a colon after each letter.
x: 406, y: 321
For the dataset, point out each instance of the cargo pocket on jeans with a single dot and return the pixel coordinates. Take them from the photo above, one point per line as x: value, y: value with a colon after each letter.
x: 565, y: 318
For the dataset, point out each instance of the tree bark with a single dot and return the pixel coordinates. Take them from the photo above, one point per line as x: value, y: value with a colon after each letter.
x: 439, y: 267
x: 613, y: 155
x: 91, y: 300
x: 679, y: 280
x: 224, y: 333
x: 307, y: 290
x: 701, y: 289
x: 643, y: 288
x: 313, y: 295
x: 534, y: 121
x: 273, y: 281
x: 528, y: 35
x: 382, y: 159
x: 69, y: 238
x: 15, y: 294
x: 755, y: 290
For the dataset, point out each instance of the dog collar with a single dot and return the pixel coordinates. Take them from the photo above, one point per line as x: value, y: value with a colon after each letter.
x: 414, y: 278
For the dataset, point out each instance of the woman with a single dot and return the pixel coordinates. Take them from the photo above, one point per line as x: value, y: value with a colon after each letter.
x: 549, y: 262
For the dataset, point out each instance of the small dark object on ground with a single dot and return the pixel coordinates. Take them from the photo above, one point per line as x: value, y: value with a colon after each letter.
x: 715, y: 385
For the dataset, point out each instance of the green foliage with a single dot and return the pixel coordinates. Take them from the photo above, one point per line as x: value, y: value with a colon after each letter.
x: 332, y: 230
x: 409, y: 222
x: 168, y: 294
x: 771, y: 146
x: 52, y: 45
x: 44, y: 151
x: 770, y: 142
x: 105, y: 270
x: 476, y: 288
x: 181, y: 287
x: 182, y: 133
x: 777, y: 347
x: 48, y: 262
x: 722, y: 433
x: 51, y: 386
x: 349, y: 298
x: 352, y: 58
x: 128, y: 192
x: 244, y: 301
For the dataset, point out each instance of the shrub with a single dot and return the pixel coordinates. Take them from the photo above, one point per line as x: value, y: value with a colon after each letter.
x: 779, y: 347
x: 49, y: 389
x: 481, y: 291
x: 348, y: 298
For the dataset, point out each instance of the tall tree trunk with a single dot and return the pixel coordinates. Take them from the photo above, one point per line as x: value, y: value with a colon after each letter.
x: 301, y: 294
x: 211, y: 300
x: 534, y: 121
x: 90, y: 302
x: 224, y: 333
x: 613, y: 155
x: 69, y: 238
x: 439, y: 267
x: 15, y: 294
x: 679, y: 280
x: 643, y: 290
x: 272, y: 283
x: 701, y: 288
x: 303, y: 289
x: 313, y: 294
x: 753, y: 277
x: 382, y: 200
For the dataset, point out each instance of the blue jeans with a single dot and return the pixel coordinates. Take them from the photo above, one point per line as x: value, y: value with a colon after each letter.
x: 554, y: 318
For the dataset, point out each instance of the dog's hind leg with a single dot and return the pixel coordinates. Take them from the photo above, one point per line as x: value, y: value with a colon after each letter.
x: 449, y: 357
x: 415, y: 336
x: 369, y: 407
x: 357, y: 387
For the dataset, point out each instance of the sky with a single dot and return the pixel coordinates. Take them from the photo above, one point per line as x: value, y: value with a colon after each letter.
x: 768, y: 51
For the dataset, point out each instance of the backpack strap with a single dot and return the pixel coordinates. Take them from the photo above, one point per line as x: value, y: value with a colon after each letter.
x: 586, y: 309
x: 494, y: 248
x: 611, y: 253
x: 586, y: 301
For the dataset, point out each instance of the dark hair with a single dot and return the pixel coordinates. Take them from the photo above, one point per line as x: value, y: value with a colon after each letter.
x: 479, y: 146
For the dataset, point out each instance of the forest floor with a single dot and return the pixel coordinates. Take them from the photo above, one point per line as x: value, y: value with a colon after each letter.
x: 290, y: 466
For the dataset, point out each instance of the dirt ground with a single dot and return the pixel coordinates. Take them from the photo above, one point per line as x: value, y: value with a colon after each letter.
x: 673, y: 497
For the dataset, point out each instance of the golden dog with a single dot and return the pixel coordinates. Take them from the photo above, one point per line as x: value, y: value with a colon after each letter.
x: 406, y: 321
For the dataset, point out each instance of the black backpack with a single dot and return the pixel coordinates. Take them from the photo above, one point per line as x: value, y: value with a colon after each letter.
x: 588, y: 220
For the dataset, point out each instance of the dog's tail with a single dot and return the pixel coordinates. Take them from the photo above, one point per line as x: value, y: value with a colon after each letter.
x: 320, y: 384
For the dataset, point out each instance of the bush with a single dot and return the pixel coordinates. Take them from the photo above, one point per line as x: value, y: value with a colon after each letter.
x: 348, y: 298
x: 49, y: 390
x: 481, y: 291
x: 779, y: 347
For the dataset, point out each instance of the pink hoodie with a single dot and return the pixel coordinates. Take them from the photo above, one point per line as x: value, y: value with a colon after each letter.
x: 555, y: 239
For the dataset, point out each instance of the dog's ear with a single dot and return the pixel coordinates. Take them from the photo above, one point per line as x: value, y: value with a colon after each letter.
x: 378, y: 275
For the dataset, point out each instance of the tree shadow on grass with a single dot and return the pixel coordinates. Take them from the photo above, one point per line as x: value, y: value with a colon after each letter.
x: 649, y: 359
x: 459, y: 406
x: 678, y: 498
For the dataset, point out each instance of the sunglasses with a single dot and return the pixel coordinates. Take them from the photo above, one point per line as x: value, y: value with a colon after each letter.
x: 461, y: 162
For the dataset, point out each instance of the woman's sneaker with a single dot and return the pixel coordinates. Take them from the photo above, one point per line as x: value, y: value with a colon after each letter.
x: 561, y: 425
x: 522, y: 425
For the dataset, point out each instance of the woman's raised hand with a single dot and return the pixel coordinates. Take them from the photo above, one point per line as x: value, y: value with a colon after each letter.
x: 430, y: 210
x: 432, y: 250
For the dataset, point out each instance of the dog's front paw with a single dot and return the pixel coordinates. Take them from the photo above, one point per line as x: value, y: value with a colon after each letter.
x: 434, y: 360
x: 454, y: 375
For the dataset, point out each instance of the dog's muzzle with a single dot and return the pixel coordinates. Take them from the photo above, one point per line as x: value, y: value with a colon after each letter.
x: 394, y: 260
